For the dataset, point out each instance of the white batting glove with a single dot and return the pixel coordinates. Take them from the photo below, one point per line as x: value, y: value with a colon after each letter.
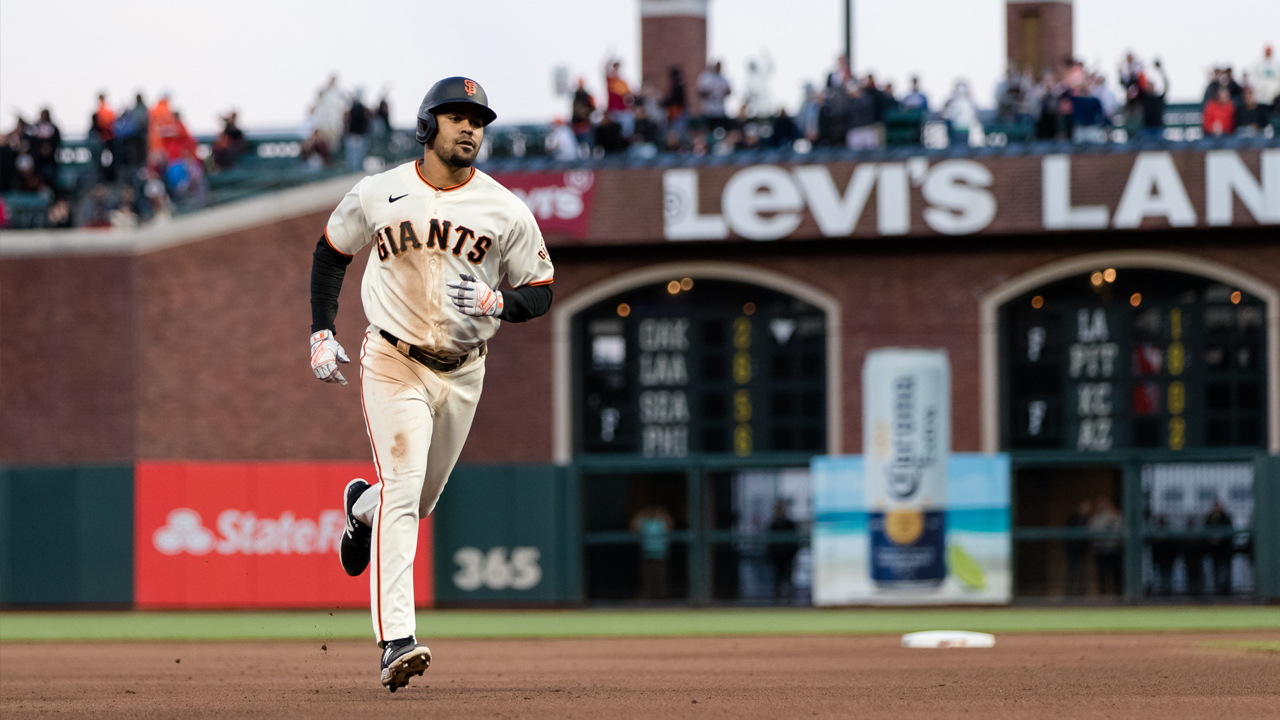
x: 473, y: 297
x: 326, y: 353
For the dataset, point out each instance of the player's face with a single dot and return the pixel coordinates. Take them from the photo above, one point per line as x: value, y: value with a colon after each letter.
x: 458, y: 140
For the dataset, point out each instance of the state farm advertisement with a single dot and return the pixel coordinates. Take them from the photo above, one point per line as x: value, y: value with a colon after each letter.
x: 250, y: 535
x: 561, y: 202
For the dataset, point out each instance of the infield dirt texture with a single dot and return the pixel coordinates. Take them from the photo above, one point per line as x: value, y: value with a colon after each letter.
x: 1223, y: 673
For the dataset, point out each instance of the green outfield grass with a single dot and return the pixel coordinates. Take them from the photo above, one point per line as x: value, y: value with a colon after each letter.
x: 322, y: 625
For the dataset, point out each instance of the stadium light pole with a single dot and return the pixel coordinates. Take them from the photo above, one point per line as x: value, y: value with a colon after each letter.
x: 848, y: 33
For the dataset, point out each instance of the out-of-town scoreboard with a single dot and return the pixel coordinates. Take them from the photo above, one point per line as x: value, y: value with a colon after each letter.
x: 1118, y: 359
x: 700, y: 366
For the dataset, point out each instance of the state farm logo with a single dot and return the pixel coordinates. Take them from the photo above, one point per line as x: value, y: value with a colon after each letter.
x: 563, y: 201
x: 244, y: 533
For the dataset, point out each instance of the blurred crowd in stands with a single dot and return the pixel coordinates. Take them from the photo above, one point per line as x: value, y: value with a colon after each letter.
x: 1071, y: 102
x: 145, y: 165
x: 143, y: 160
x: 339, y: 123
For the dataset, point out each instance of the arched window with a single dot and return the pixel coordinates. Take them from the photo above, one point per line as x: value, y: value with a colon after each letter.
x: 691, y: 364
x: 1121, y: 358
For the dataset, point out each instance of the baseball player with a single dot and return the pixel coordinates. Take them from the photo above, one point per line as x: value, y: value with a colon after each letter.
x: 445, y: 235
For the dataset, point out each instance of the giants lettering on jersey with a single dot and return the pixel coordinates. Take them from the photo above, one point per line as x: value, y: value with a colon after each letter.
x: 393, y: 241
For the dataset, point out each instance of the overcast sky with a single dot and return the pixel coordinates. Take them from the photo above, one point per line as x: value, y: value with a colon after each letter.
x: 267, y: 58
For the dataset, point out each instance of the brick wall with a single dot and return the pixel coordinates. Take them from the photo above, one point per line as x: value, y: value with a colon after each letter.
x: 199, y: 351
x: 679, y: 40
x: 1056, y: 41
x: 67, y: 360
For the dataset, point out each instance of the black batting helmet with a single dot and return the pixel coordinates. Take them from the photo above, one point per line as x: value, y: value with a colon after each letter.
x: 451, y: 91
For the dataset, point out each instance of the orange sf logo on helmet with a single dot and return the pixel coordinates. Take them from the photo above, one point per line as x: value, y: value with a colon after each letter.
x: 470, y: 86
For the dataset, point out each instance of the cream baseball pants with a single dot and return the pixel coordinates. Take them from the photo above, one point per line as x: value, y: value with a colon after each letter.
x: 418, y: 420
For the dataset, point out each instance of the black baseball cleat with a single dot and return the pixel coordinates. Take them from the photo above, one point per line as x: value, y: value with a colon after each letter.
x: 353, y: 550
x: 401, y: 660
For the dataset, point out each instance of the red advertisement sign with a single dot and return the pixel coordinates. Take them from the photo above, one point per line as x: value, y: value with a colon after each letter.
x: 250, y: 535
x: 561, y: 202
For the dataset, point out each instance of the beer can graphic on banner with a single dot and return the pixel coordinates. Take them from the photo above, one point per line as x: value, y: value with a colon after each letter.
x: 906, y: 426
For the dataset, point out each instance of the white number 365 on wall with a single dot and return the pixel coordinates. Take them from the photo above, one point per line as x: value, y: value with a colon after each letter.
x: 492, y: 569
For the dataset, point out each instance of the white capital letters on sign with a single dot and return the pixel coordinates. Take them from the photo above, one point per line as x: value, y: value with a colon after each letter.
x: 1055, y: 196
x: 1154, y: 189
x: 1225, y: 175
x: 762, y: 189
x: 680, y: 217
x: 893, y: 200
x: 957, y: 192
x: 836, y: 216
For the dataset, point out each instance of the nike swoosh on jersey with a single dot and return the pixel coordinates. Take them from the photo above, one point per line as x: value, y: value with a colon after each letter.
x: 392, y: 199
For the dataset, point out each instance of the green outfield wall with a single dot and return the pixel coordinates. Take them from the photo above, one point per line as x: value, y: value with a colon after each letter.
x: 504, y: 535
x: 66, y: 535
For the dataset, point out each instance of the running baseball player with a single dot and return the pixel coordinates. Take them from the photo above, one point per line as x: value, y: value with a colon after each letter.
x: 445, y: 236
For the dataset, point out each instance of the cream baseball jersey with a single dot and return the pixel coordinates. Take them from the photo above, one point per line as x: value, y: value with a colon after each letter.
x: 425, y: 236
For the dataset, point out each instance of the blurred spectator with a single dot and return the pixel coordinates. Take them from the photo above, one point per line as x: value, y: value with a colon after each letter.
x: 759, y: 100
x: 1078, y: 554
x: 12, y: 144
x: 1220, y: 548
x: 654, y: 525
x: 1193, y: 557
x: 580, y: 117
x: 356, y: 136
x: 1266, y: 79
x: 132, y: 134
x: 620, y: 99
x: 1098, y: 88
x: 1106, y: 551
x: 102, y: 137
x: 810, y: 113
x: 125, y: 214
x: 27, y: 180
x: 229, y: 144
x: 1251, y: 118
x: 646, y: 130
x: 785, y: 132
x: 95, y: 208
x: 916, y: 98
x: 677, y: 102
x: 714, y: 89
x: 380, y: 129
x: 562, y: 143
x: 609, y: 136
x: 1163, y: 554
x: 1010, y: 96
x: 1148, y: 100
x: 315, y: 151
x: 862, y: 133
x: 782, y: 555
x: 45, y: 140
x: 158, y: 206
x: 1219, y: 113
x: 1130, y: 72
x: 1049, y: 125
x: 1221, y: 78
x: 328, y: 114
x: 59, y: 214
x: 841, y: 75
x: 1087, y: 118
x: 961, y: 116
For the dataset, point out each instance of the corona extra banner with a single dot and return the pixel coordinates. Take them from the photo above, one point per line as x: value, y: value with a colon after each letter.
x: 250, y: 535
x: 956, y: 552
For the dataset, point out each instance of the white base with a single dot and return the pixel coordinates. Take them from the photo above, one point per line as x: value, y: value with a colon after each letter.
x: 948, y: 639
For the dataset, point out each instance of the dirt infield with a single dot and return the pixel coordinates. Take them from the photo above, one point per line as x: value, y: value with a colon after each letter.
x: 1129, y: 676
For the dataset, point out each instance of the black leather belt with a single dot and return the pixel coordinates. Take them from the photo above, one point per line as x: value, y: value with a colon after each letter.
x: 438, y: 363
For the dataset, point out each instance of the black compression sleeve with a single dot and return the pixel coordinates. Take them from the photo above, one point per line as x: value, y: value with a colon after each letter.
x: 526, y: 303
x: 328, y: 266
